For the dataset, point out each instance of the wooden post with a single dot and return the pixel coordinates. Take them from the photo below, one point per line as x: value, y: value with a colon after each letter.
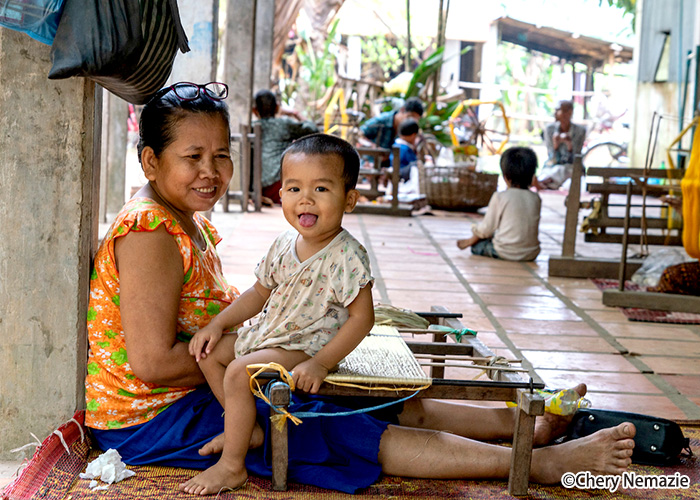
x: 245, y: 166
x: 573, y: 201
x: 529, y: 406
x: 257, y: 166
x: 280, y: 396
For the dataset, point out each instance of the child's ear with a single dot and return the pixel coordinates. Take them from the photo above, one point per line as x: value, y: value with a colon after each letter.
x: 148, y: 163
x: 351, y: 200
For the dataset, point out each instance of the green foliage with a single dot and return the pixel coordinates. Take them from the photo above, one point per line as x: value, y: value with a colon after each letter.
x: 318, y: 69
x: 389, y: 56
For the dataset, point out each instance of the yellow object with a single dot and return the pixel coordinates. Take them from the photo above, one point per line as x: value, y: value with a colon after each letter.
x: 279, y: 419
x: 399, y: 84
x: 690, y: 186
x: 673, y: 222
x: 476, y: 102
x: 339, y: 100
x: 563, y: 402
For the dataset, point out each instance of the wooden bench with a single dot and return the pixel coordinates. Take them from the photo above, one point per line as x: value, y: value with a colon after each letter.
x: 502, y: 386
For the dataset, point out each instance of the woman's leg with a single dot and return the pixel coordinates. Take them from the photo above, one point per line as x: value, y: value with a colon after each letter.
x: 440, y: 455
x: 475, y: 422
x: 239, y: 422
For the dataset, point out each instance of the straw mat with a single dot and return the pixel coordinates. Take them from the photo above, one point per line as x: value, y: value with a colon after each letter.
x: 52, y: 474
x: 381, y: 359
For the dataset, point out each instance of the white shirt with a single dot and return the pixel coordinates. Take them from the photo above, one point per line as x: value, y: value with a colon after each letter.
x: 512, y: 220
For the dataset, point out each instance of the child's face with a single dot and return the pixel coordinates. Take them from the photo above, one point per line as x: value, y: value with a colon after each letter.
x: 313, y: 195
x: 194, y: 171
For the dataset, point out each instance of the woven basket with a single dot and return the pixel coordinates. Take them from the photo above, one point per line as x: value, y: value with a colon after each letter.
x: 456, y: 187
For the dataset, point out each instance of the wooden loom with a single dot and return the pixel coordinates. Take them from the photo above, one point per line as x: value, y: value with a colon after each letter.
x: 504, y: 385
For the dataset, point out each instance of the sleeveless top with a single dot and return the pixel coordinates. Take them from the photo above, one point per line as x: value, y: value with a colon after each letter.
x: 115, y: 397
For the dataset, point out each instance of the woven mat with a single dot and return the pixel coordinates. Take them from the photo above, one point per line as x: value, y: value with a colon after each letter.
x: 647, y: 315
x: 382, y: 358
x: 52, y: 474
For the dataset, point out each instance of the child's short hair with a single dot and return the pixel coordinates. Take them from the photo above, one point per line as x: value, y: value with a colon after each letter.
x: 409, y: 127
x: 325, y: 144
x: 413, y: 105
x: 518, y: 165
x: 265, y: 103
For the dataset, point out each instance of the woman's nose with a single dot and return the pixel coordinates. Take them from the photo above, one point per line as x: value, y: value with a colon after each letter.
x: 208, y: 168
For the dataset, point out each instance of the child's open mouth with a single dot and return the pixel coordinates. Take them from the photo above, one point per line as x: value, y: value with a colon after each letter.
x: 307, y: 220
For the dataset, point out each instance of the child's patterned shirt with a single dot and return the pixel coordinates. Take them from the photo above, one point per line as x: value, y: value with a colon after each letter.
x: 309, y: 299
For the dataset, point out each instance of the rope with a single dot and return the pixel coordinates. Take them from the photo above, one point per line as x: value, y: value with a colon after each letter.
x: 493, y: 361
x: 286, y: 377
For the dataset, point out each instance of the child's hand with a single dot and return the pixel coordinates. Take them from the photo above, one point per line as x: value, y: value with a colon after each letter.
x: 207, y: 336
x: 309, y: 375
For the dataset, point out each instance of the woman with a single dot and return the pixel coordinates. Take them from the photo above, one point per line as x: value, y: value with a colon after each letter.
x: 158, y: 279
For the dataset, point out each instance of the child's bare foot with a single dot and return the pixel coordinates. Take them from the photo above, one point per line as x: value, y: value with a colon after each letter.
x: 463, y: 244
x: 607, y: 451
x: 216, y: 445
x: 549, y: 426
x: 217, y: 477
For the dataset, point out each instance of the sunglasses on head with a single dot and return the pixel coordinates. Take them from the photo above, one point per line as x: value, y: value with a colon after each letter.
x: 187, y: 91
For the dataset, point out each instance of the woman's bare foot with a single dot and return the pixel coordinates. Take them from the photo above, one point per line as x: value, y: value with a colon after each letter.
x: 216, y: 445
x: 217, y: 477
x: 607, y: 451
x: 549, y: 426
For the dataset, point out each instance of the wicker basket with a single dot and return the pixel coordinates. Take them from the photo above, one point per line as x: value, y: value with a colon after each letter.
x: 456, y: 187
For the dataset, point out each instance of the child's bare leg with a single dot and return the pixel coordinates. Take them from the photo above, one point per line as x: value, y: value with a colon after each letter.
x: 239, y: 422
x: 214, y: 365
x: 441, y: 455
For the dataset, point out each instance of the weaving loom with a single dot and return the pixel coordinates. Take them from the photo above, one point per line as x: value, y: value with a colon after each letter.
x: 384, y: 365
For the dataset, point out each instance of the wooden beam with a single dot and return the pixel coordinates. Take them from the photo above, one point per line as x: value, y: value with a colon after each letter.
x: 577, y: 267
x: 651, y: 300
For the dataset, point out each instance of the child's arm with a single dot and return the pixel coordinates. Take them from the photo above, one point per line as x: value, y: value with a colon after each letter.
x: 488, y: 225
x: 243, y: 308
x: 309, y: 375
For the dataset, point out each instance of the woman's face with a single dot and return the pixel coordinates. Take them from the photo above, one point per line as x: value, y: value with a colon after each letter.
x: 194, y: 171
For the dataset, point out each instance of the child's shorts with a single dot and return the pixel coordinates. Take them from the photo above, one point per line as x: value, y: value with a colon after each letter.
x: 338, y: 452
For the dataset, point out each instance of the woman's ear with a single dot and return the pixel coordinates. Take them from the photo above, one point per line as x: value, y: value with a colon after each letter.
x: 149, y: 162
x: 351, y: 200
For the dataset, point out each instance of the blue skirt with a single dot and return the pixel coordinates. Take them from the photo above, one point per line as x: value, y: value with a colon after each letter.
x: 338, y: 452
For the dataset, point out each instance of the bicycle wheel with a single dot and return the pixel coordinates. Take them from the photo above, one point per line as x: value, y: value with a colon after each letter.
x: 606, y: 154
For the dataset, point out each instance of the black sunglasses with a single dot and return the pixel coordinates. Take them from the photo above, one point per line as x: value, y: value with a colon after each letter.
x: 187, y: 91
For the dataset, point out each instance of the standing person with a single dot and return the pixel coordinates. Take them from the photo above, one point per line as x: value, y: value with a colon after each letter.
x: 510, y: 228
x: 564, y: 140
x: 278, y: 132
x: 382, y: 130
x: 157, y: 280
x: 314, y: 292
x: 406, y: 141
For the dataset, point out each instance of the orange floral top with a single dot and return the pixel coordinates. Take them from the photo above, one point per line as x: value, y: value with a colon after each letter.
x: 115, y: 396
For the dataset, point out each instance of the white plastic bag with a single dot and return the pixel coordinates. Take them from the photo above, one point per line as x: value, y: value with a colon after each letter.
x: 649, y: 274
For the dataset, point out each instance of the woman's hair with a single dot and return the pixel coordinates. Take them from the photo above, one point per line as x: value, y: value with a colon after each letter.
x: 413, y: 105
x: 518, y: 165
x: 161, y: 114
x: 324, y: 144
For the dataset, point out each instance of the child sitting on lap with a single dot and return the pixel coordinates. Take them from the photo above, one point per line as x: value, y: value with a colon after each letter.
x: 510, y: 228
x: 314, y: 293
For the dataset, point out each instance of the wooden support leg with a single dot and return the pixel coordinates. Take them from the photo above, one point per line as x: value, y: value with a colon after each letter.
x: 529, y: 406
x: 280, y: 397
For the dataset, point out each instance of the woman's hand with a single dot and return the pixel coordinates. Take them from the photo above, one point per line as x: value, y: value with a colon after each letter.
x: 309, y: 375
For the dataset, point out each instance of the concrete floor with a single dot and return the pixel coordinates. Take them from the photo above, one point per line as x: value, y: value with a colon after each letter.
x: 558, y: 326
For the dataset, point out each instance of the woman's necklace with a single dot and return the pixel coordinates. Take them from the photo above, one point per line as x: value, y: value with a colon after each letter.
x: 188, y: 224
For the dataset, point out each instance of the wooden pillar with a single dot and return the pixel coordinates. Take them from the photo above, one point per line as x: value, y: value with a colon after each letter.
x: 49, y: 152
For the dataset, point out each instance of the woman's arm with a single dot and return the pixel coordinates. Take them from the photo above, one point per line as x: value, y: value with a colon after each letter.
x: 309, y: 375
x: 150, y: 281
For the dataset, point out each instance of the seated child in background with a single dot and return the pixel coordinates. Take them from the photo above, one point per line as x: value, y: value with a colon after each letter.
x: 313, y: 293
x: 406, y: 141
x: 510, y: 228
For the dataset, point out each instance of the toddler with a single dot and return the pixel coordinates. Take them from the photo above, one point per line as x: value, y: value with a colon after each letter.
x: 406, y: 141
x: 313, y: 293
x: 510, y: 228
